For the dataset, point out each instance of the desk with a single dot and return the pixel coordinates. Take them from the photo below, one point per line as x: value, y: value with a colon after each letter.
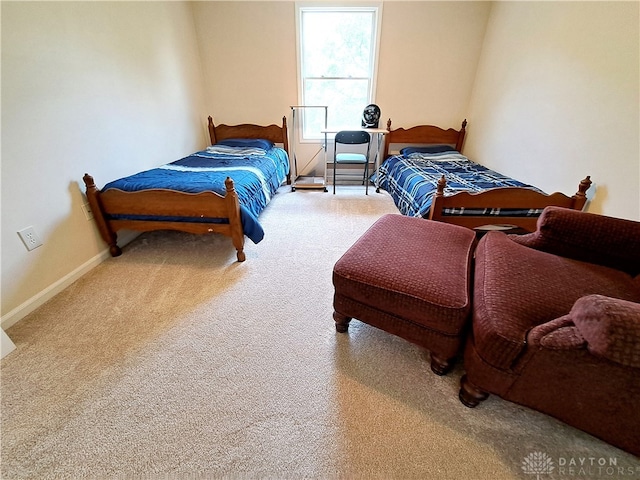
x: 378, y: 132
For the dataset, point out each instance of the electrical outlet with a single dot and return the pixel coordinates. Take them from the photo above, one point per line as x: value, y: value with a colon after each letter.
x: 87, y: 211
x: 30, y: 238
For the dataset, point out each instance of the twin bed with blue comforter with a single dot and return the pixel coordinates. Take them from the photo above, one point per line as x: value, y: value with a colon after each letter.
x: 221, y: 189
x: 431, y: 179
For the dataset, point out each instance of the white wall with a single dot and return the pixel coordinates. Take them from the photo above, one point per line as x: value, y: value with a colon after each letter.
x: 429, y: 53
x: 557, y: 98
x: 428, y: 56
x: 248, y: 54
x: 108, y: 88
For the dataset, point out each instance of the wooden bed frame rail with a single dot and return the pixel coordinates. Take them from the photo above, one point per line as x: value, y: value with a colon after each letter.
x: 160, y: 202
x: 504, y: 198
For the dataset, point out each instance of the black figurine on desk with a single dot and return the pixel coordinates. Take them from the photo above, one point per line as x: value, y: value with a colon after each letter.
x: 371, y: 116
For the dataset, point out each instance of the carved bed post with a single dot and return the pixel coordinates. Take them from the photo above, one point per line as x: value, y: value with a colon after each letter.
x: 385, y: 150
x: 235, y: 223
x: 580, y: 198
x: 436, y: 210
x: 441, y: 184
x: 461, y: 136
x: 285, y: 144
x: 212, y: 131
x: 93, y: 196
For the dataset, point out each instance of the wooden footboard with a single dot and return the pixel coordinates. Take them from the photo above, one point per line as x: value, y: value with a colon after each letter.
x: 503, y: 198
x: 108, y: 206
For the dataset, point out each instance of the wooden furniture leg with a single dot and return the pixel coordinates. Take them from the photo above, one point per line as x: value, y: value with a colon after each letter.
x: 342, y: 322
x: 470, y: 395
x: 440, y: 366
x: 93, y: 196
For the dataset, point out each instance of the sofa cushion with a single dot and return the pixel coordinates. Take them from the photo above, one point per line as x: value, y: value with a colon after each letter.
x: 517, y: 288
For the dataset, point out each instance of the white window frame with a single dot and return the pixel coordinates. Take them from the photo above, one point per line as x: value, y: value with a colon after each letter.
x: 301, y: 7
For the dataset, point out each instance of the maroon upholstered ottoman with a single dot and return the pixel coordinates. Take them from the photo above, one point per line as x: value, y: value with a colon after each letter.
x: 409, y: 277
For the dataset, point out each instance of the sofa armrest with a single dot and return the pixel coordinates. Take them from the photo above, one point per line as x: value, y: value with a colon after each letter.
x: 610, y: 326
x: 558, y: 334
x: 607, y: 327
x: 608, y: 241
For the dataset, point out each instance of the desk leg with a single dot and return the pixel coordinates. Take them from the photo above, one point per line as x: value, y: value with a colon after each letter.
x: 375, y: 163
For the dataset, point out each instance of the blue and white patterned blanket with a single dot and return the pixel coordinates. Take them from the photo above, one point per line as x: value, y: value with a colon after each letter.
x: 256, y: 178
x: 412, y: 181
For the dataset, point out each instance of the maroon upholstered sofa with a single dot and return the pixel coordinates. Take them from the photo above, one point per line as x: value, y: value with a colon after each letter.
x: 556, y: 323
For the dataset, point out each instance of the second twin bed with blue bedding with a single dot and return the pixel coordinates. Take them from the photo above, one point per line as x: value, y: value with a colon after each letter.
x: 412, y: 180
x: 430, y: 178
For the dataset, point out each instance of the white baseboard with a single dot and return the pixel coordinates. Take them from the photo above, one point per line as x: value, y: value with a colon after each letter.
x: 21, y: 311
x: 51, y: 291
x: 6, y: 345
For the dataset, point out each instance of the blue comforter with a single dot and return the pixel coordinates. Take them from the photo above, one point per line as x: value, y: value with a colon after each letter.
x: 256, y: 176
x: 412, y: 180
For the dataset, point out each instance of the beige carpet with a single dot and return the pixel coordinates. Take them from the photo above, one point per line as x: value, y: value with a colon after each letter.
x: 175, y: 361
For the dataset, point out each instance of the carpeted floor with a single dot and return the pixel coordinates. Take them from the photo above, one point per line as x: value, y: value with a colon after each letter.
x: 175, y: 361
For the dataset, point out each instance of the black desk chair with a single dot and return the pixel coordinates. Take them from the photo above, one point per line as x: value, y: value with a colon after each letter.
x: 351, y: 137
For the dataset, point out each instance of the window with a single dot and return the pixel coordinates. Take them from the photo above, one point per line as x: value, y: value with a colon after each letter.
x: 337, y: 56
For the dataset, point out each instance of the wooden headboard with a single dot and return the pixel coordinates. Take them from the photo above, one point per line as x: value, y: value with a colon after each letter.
x: 424, y: 134
x: 247, y: 130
